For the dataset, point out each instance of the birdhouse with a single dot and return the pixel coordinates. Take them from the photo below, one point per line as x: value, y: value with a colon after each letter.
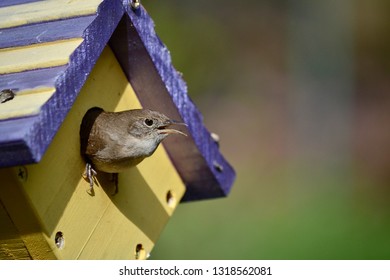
x: 58, y: 59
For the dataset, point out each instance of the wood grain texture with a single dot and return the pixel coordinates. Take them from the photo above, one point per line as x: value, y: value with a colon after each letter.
x: 29, y: 80
x: 99, y: 226
x: 11, y: 244
x: 45, y: 32
x: 37, y: 56
x: 6, y: 3
x: 49, y: 10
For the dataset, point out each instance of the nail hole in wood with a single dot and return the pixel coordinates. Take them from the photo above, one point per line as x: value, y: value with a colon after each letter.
x: 22, y: 173
x: 218, y: 166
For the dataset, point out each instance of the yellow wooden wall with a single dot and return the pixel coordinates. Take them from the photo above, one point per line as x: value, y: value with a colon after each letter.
x: 42, y: 200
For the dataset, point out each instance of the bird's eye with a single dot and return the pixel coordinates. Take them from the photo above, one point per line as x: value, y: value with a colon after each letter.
x: 148, y: 122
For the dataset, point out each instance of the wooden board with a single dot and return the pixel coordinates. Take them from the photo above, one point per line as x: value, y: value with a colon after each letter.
x: 26, y: 103
x: 101, y: 226
x: 26, y: 35
x: 11, y: 244
x: 38, y: 11
x: 37, y: 56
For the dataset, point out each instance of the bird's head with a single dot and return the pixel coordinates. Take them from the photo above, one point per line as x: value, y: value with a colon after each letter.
x: 151, y: 125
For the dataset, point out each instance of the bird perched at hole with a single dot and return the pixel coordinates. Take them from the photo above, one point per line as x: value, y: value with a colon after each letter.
x: 114, y: 141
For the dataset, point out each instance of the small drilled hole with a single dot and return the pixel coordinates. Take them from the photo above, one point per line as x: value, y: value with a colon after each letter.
x: 171, y: 199
x: 22, y: 173
x: 59, y: 240
x: 140, y: 253
x: 218, y: 166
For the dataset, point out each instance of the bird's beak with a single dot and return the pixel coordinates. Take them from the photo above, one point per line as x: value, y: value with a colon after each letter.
x: 171, y: 131
x: 166, y: 130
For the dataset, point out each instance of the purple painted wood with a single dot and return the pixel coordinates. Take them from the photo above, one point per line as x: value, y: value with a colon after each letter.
x: 44, y: 32
x: 31, y: 79
x: 14, y: 141
x: 31, y: 136
x: 6, y: 3
x: 147, y: 64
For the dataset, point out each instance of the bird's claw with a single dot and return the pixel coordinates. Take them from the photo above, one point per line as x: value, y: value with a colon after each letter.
x: 89, y: 174
x: 115, y: 180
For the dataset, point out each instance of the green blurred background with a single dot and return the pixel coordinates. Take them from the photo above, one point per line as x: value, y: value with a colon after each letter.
x: 298, y: 91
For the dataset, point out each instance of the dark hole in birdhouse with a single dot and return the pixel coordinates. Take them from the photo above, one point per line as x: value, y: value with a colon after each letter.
x: 140, y: 252
x: 171, y: 199
x: 59, y: 240
x: 86, y: 127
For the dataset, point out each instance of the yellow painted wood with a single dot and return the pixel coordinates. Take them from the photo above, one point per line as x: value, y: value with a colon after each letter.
x: 117, y: 236
x: 47, y: 10
x: 23, y: 215
x: 102, y: 226
x: 11, y: 244
x: 166, y: 189
x: 37, y: 55
x: 139, y: 208
x: 26, y: 103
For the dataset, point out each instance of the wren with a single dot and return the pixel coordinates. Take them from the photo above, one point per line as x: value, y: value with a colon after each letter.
x: 112, y: 142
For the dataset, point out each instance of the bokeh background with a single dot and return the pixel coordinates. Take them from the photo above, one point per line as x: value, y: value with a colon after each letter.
x: 299, y: 92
